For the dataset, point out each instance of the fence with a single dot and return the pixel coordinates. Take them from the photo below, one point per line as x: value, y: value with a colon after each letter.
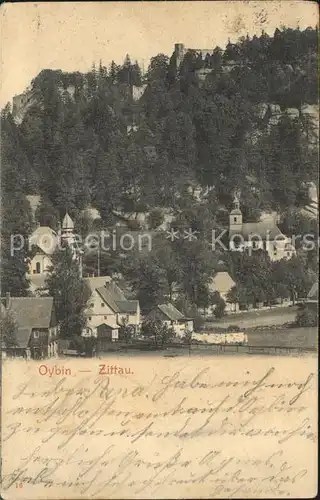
x: 247, y: 349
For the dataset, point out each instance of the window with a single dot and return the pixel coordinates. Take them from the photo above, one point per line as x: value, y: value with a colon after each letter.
x: 102, y: 304
x: 234, y: 219
x: 36, y: 335
x: 38, y: 268
x: 90, y: 318
x: 92, y: 304
x: 105, y: 317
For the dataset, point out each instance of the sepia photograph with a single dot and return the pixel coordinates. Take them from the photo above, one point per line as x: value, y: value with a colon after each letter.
x: 159, y: 250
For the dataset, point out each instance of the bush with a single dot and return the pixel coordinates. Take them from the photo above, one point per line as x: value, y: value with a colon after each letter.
x: 233, y: 328
x: 306, y: 317
x: 77, y: 343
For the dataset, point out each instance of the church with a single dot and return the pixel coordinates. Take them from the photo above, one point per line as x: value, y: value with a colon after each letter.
x: 263, y: 235
x: 43, y: 242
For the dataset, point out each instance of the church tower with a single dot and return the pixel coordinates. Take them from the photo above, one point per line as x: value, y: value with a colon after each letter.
x: 67, y: 230
x: 235, y: 216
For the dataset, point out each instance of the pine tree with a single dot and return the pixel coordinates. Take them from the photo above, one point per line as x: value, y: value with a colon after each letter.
x: 15, y: 231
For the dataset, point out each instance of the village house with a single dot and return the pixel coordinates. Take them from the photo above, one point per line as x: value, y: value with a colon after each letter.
x: 36, y: 328
x: 263, y: 235
x: 170, y: 316
x: 108, y: 309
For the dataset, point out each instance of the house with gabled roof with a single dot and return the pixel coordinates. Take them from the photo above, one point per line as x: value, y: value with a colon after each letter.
x: 172, y: 317
x: 108, y: 309
x: 36, y: 327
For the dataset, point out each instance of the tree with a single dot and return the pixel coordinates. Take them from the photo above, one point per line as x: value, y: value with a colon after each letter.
x: 155, y: 218
x: 197, y: 264
x: 295, y: 275
x: 159, y: 331
x: 158, y: 68
x: 126, y: 331
x: 253, y: 274
x: 188, y: 339
x: 113, y: 72
x: 220, y: 305
x: 68, y: 291
x: 46, y: 214
x: 147, y: 280
x: 15, y: 231
x: 8, y: 329
x: 183, y: 304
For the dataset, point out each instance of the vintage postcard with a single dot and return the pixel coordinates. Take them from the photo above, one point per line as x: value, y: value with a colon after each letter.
x: 159, y: 250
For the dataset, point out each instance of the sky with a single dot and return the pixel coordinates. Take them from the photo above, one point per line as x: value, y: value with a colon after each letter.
x: 70, y: 36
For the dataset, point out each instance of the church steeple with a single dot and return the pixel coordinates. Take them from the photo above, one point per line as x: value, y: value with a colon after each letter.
x: 235, y: 216
x: 67, y: 230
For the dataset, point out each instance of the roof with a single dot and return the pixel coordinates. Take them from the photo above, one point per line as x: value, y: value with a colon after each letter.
x: 67, y: 222
x: 128, y: 306
x: 236, y: 211
x: 222, y: 282
x: 171, y: 312
x: 31, y: 312
x: 112, y: 295
x: 110, y: 324
x: 96, y: 282
x: 45, y: 238
x: 23, y: 336
x: 265, y: 230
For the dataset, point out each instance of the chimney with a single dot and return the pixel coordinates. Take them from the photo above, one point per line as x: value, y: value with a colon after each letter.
x: 7, y: 300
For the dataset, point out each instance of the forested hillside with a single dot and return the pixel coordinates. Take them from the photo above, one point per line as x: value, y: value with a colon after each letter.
x: 85, y: 140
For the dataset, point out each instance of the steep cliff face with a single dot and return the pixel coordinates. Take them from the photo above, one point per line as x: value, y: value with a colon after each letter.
x: 21, y: 103
x: 270, y: 114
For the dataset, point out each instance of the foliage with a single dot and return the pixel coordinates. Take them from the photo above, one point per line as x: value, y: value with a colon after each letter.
x: 126, y: 331
x: 220, y: 305
x: 76, y: 146
x: 73, y: 148
x: 183, y: 304
x: 159, y: 331
x: 155, y: 219
x: 15, y: 230
x: 307, y: 317
x: 68, y: 291
x: 8, y: 329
